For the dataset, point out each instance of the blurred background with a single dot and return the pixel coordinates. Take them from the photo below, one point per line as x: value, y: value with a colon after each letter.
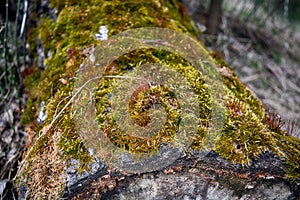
x: 260, y: 39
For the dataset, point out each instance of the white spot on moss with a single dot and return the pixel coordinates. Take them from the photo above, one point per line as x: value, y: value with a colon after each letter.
x: 42, y: 116
x: 102, y: 35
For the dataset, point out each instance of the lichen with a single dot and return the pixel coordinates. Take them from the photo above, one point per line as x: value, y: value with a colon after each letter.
x: 244, y: 136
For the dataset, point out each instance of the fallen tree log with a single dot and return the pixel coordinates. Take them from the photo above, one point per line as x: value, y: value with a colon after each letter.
x: 131, y: 105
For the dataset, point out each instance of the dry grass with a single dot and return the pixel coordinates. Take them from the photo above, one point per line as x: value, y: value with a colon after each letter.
x: 47, y: 172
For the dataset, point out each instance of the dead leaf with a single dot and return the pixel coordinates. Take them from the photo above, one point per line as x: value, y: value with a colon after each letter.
x: 63, y: 81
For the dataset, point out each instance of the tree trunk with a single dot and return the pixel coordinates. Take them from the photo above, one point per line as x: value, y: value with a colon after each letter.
x: 235, y: 150
x: 214, y: 16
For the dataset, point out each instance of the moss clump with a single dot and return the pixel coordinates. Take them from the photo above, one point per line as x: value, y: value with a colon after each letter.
x: 145, y: 97
x: 71, y: 38
x: 68, y: 40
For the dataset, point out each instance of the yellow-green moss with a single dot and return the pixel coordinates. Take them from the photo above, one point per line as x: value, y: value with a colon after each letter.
x: 244, y: 135
x: 135, y: 59
x: 77, y: 22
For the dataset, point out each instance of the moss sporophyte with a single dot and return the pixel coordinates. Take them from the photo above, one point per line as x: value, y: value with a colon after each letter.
x: 71, y: 38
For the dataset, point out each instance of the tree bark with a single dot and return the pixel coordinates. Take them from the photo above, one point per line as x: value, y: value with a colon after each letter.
x: 214, y: 16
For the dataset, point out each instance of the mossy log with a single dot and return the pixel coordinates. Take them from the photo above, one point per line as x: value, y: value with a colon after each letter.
x: 247, y: 157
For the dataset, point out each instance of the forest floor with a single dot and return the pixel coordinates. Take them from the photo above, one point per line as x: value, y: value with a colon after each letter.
x: 266, y: 58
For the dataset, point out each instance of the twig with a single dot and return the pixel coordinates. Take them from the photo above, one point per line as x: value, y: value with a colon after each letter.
x: 52, y: 122
x: 61, y: 111
x: 130, y: 77
x: 24, y: 17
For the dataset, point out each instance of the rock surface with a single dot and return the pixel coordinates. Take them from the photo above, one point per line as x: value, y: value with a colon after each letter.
x: 60, y: 163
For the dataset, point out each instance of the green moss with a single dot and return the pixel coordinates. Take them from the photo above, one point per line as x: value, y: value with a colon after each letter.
x: 239, y: 89
x: 28, y: 115
x: 142, y: 102
x: 77, y: 22
x: 244, y: 135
